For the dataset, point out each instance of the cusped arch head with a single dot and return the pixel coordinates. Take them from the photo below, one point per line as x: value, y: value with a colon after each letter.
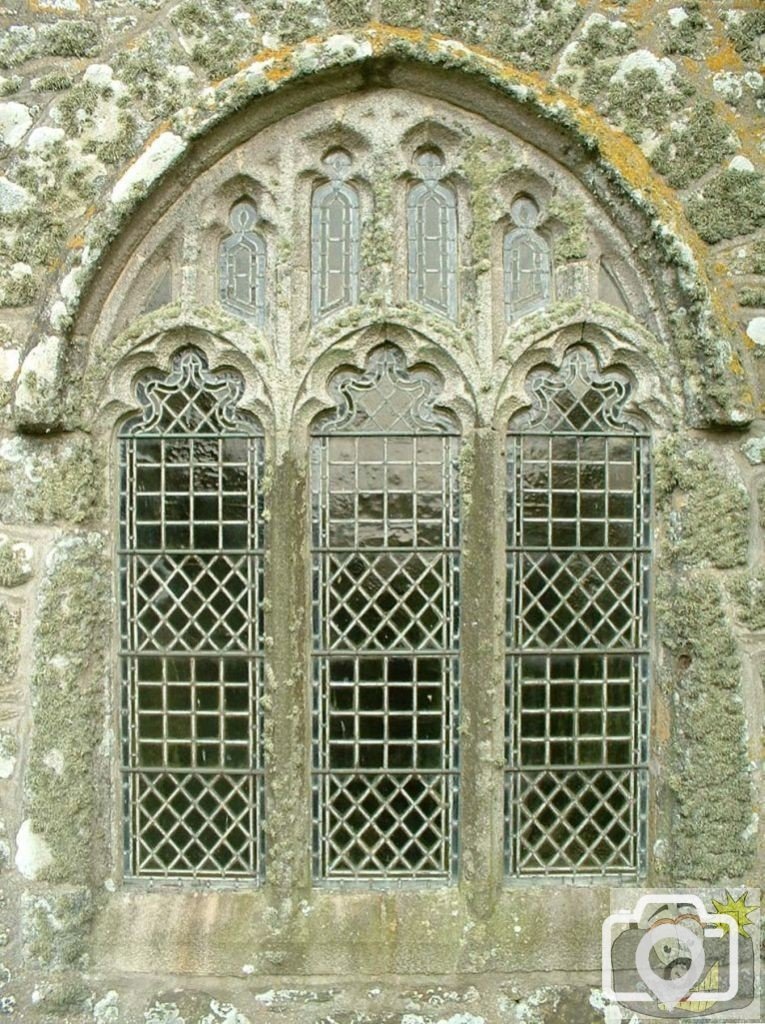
x: 549, y: 127
x: 652, y: 398
x: 351, y: 354
x: 155, y: 353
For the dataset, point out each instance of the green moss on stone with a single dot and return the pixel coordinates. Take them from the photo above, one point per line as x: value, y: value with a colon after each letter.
x: 688, y: 152
x: 713, y: 800
x: 76, y: 108
x: 121, y: 145
x: 752, y: 297
x: 745, y: 30
x: 749, y: 591
x: 218, y: 40
x: 70, y: 653
x: 602, y: 39
x: 484, y: 164
x: 55, y: 927
x: 376, y: 240
x: 708, y: 511
x: 757, y: 257
x: 731, y: 204
x: 640, y: 101
x: 19, y: 289
x: 44, y: 482
x: 17, y: 44
x: 300, y: 19
x: 407, y: 13
x: 685, y: 37
x: 65, y: 995
x: 145, y: 70
x: 74, y: 38
x: 761, y: 504
x: 461, y: 20
x: 349, y: 13
x: 573, y: 243
x: 10, y: 620
x: 14, y: 564
x: 531, y: 34
x: 54, y: 81
x: 9, y: 86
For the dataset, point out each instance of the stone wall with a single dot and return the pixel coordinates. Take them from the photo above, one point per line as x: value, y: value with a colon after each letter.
x: 110, y: 113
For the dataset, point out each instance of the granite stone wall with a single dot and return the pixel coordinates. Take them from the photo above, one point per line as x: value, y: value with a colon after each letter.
x: 646, y: 121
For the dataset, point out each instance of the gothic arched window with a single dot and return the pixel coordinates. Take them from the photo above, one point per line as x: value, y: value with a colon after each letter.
x: 243, y: 265
x: 191, y: 543
x: 385, y: 633
x: 527, y: 263
x: 334, y: 239
x: 432, y: 238
x: 578, y: 560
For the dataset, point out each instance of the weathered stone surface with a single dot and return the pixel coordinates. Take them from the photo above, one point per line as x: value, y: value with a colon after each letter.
x: 61, y: 794
x: 709, y: 778
x: 109, y: 111
x: 48, y: 481
x: 706, y: 502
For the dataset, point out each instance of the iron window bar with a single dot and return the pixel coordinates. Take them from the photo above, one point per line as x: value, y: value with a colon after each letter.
x: 385, y: 630
x: 577, y: 628
x: 191, y: 614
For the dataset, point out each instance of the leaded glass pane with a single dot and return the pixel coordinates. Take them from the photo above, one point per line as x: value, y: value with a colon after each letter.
x: 191, y: 555
x: 577, y: 575
x: 243, y: 266
x: 432, y: 239
x: 385, y: 628
x: 527, y: 262
x: 334, y: 239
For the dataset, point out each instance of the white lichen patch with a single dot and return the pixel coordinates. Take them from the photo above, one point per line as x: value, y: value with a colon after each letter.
x: 347, y: 47
x: 741, y: 163
x: 676, y: 16
x: 107, y: 1009
x: 54, y: 760
x: 8, y: 752
x: 15, y: 122
x: 456, y: 1018
x: 163, y: 1013
x: 728, y: 85
x: 44, y: 137
x: 756, y: 330
x: 643, y: 60
x: 754, y: 450
x: 33, y: 855
x: 152, y: 163
x: 224, y: 1013
x: 13, y: 197
x: 39, y: 368
x: 10, y: 359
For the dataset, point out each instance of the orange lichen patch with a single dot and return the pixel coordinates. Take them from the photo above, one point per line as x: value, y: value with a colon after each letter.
x: 75, y: 242
x: 616, y: 148
x: 41, y: 7
x: 164, y: 127
x: 641, y: 11
x: 277, y: 74
x: 382, y: 32
x: 725, y: 58
x: 279, y: 55
x: 735, y: 365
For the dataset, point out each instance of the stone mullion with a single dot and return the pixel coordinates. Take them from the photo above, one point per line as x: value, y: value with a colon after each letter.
x: 482, y: 660
x: 286, y: 710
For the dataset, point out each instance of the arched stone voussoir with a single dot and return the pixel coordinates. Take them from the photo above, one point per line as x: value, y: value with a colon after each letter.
x: 689, y: 317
